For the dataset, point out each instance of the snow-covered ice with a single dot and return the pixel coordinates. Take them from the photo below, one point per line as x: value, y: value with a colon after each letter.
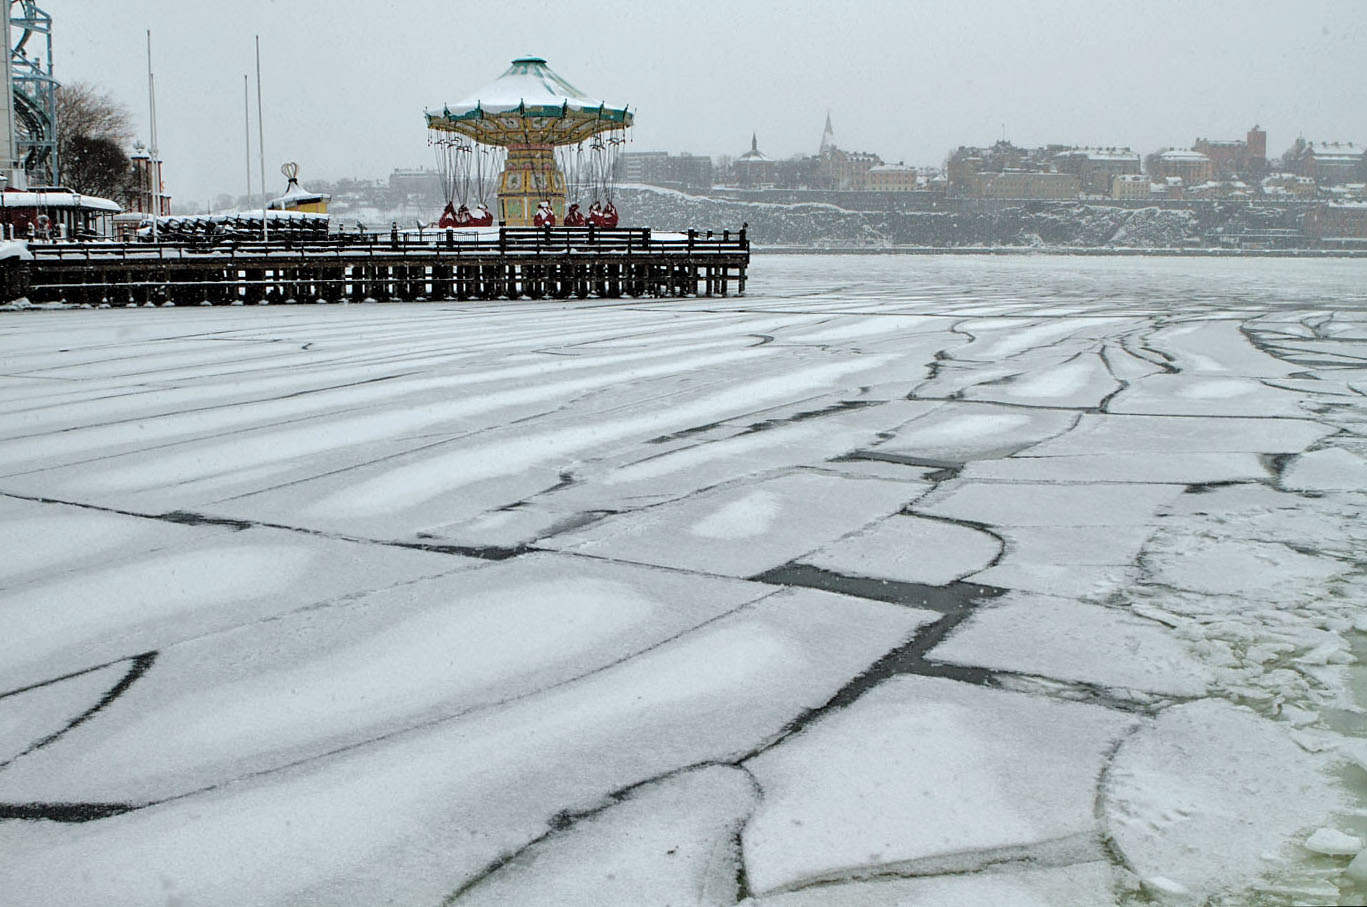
x: 743, y: 532
x: 1209, y: 794
x: 1068, y: 640
x: 1072, y: 885
x: 961, y: 776
x: 910, y: 549
x: 900, y: 580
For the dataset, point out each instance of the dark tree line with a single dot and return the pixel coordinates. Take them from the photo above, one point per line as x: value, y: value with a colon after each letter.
x: 93, y: 133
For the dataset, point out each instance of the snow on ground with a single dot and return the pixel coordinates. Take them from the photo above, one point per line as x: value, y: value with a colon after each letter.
x: 898, y: 581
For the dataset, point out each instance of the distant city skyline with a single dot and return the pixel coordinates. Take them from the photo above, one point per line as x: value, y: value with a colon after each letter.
x: 346, y: 83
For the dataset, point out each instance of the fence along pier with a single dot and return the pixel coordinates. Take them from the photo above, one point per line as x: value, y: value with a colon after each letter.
x: 511, y: 263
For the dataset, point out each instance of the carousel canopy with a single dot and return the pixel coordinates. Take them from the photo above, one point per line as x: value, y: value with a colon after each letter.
x: 296, y: 195
x: 529, y: 103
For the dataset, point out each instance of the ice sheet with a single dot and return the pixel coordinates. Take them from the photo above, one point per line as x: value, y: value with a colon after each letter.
x: 1182, y: 804
x: 1020, y: 504
x: 351, y: 721
x: 85, y: 617
x: 745, y: 529
x: 910, y: 549
x: 1068, y: 640
x: 959, y: 432
x: 1206, y: 395
x: 1183, y: 468
x: 1328, y: 469
x: 32, y: 717
x: 963, y: 776
x: 670, y: 842
x: 268, y: 694
x: 1079, y: 380
x: 1079, y: 885
x: 1129, y: 434
x: 416, y: 816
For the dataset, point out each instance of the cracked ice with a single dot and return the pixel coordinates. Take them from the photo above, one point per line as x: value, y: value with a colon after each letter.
x: 901, y: 581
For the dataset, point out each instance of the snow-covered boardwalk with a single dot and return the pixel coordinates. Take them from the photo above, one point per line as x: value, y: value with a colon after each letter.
x: 900, y: 581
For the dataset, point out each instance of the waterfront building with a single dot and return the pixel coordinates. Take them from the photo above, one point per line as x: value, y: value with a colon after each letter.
x: 753, y: 168
x: 1130, y: 186
x: 1288, y: 185
x: 1095, y: 167
x: 1236, y: 157
x: 841, y: 169
x: 1327, y: 163
x: 660, y: 168
x: 1192, y: 167
x: 892, y: 178
x: 1024, y: 184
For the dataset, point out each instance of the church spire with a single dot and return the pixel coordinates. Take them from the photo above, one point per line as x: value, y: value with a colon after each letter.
x: 828, y: 136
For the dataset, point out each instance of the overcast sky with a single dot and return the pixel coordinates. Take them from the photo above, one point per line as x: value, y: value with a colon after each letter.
x: 346, y: 82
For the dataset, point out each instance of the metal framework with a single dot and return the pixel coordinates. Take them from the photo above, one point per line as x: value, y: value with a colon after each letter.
x: 35, y: 92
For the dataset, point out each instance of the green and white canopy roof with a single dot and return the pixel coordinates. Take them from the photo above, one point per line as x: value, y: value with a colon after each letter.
x: 529, y: 104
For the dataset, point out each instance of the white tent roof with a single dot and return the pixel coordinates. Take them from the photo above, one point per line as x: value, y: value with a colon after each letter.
x: 528, y: 82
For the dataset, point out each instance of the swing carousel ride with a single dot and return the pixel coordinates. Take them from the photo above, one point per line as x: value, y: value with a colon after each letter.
x: 545, y: 144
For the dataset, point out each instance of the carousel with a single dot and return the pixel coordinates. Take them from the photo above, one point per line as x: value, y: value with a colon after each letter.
x: 544, y: 149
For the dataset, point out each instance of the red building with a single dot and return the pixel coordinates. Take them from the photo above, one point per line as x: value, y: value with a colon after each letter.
x: 1235, y: 157
x: 150, y: 193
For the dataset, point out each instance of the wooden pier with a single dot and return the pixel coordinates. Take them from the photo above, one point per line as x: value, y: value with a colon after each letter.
x: 510, y: 263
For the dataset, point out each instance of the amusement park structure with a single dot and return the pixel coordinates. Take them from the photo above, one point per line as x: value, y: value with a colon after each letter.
x: 31, y: 100
x: 556, y: 146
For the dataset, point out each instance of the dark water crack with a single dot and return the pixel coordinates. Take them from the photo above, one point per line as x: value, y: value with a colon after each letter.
x: 189, y: 518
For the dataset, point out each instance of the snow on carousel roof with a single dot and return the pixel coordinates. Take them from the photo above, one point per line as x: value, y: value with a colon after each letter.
x: 295, y: 194
x: 530, y: 87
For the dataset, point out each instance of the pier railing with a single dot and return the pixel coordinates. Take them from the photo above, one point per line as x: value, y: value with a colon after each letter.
x: 504, y: 263
x: 517, y: 241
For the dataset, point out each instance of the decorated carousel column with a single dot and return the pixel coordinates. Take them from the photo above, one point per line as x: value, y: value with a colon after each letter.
x: 530, y: 177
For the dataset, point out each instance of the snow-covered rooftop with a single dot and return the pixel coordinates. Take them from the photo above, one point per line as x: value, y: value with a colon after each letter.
x: 1102, y: 154
x: 57, y: 199
x: 1182, y: 154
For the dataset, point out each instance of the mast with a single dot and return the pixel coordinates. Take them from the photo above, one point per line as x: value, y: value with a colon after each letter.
x: 261, y: 141
x: 154, y: 165
x: 247, y: 133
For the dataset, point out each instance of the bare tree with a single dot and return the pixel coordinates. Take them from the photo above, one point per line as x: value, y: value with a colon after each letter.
x: 93, y: 132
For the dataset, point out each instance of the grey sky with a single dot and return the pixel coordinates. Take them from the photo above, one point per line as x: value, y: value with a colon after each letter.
x: 346, y: 82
